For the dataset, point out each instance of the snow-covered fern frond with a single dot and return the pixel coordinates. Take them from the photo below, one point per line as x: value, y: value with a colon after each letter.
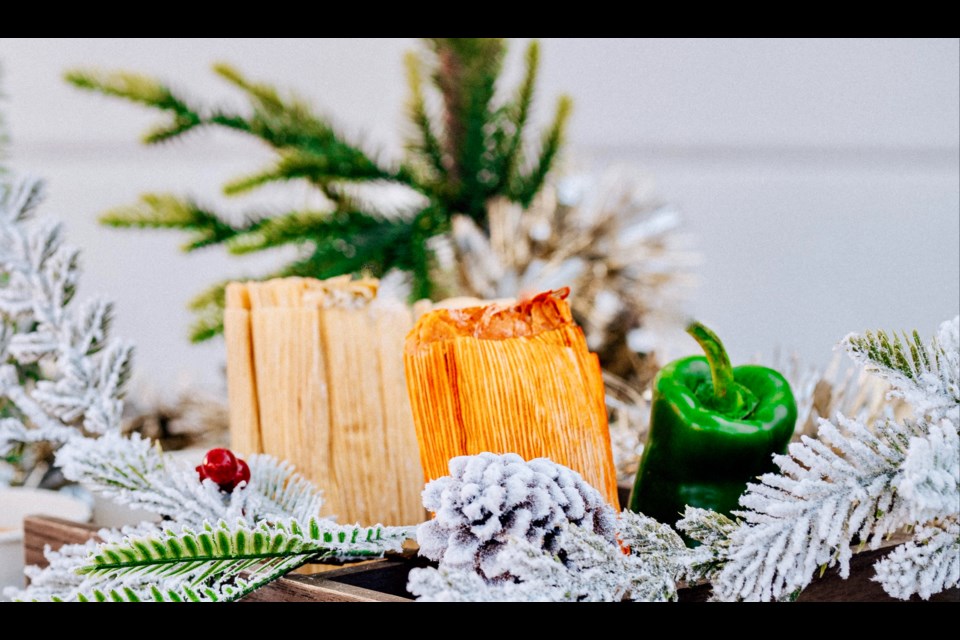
x: 216, y: 562
x: 829, y: 490
x: 712, y: 530
x: 279, y: 491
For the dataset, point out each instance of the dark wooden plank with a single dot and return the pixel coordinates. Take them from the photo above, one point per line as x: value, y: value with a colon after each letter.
x: 39, y: 531
x: 860, y: 586
x: 316, y: 588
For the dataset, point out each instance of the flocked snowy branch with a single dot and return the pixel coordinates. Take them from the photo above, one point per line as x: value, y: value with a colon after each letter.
x: 60, y: 376
x: 221, y: 562
x: 862, y: 481
x: 62, y: 382
x: 133, y: 471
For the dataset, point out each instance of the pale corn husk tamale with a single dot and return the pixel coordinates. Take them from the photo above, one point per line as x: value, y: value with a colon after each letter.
x: 315, y: 376
x: 509, y: 377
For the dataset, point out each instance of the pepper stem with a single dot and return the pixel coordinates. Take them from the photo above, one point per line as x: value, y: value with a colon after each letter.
x: 721, y: 371
x: 725, y: 394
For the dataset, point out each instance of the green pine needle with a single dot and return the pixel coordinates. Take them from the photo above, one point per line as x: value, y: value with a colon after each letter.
x: 167, y: 211
x: 518, y: 112
x: 426, y: 144
x: 209, y: 307
x: 265, y: 95
x: 528, y: 186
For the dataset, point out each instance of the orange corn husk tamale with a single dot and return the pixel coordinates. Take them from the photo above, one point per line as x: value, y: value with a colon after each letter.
x: 315, y: 376
x: 509, y: 378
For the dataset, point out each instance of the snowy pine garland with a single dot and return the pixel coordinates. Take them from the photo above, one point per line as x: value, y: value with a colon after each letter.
x: 505, y: 529
x: 62, y: 383
x: 209, y: 563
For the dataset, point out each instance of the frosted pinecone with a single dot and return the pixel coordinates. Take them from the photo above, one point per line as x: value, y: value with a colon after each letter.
x: 490, y: 498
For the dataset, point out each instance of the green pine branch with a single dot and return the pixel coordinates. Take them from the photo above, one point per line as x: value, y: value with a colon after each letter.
x: 926, y: 374
x: 526, y: 187
x: 517, y: 114
x: 425, y: 145
x: 208, y: 306
x: 906, y: 356
x: 458, y: 160
x: 167, y: 211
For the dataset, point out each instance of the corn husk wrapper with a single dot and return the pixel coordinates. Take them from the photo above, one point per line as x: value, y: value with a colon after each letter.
x: 509, y: 378
x: 315, y: 377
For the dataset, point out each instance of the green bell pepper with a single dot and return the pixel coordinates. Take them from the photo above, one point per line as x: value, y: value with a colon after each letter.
x: 713, y: 428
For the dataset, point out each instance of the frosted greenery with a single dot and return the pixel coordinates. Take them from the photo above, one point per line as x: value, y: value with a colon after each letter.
x: 220, y: 562
x: 61, y: 377
x: 861, y: 481
x: 61, y: 387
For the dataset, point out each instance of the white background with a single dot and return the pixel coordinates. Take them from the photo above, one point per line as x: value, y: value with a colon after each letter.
x: 821, y: 177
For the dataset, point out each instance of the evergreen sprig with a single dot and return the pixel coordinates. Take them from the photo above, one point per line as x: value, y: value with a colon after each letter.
x: 475, y: 149
x: 223, y: 562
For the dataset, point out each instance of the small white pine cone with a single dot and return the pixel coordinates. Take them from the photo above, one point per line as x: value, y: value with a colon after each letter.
x: 490, y: 498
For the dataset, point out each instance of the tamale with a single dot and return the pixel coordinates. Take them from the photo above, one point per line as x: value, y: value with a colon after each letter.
x: 509, y: 377
x: 315, y: 376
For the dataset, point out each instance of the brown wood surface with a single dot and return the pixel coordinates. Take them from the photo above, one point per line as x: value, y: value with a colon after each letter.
x: 39, y: 531
x: 385, y: 580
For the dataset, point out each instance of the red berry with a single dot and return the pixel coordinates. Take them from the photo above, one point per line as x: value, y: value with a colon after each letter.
x: 220, y: 465
x: 243, y: 473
